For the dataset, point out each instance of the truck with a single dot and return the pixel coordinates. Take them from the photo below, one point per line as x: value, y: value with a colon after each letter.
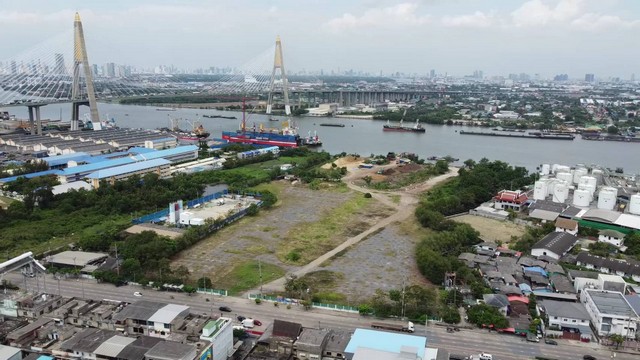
x: 248, y: 323
x: 395, y: 327
x: 532, y: 337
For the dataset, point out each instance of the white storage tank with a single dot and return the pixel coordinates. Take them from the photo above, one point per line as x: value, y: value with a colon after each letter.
x: 554, y: 168
x: 581, y: 198
x: 560, y: 192
x: 590, y: 188
x: 565, y: 176
x: 589, y: 180
x: 634, y: 204
x: 598, y: 174
x: 540, y: 190
x: 545, y: 169
x: 578, y: 173
x: 551, y: 185
x: 607, y: 198
x: 562, y: 168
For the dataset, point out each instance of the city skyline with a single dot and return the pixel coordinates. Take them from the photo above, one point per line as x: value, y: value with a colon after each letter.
x: 498, y: 37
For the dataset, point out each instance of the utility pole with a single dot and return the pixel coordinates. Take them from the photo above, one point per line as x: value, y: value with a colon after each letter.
x: 403, y: 287
x: 260, y: 271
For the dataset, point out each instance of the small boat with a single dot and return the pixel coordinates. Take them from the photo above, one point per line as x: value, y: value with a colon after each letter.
x: 273, y: 119
x: 334, y: 125
x: 165, y: 109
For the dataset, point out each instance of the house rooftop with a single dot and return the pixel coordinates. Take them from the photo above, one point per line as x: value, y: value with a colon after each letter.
x: 564, y: 309
x: 385, y: 341
x: 557, y: 242
x: 566, y: 224
x: 171, y: 350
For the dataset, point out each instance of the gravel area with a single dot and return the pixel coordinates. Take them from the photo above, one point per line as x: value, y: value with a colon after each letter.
x: 491, y: 229
x: 381, y: 261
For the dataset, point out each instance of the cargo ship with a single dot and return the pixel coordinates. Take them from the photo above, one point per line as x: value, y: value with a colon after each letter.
x: 401, y: 128
x: 287, y: 136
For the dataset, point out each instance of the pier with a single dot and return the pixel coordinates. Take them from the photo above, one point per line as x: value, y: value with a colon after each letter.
x: 523, y: 136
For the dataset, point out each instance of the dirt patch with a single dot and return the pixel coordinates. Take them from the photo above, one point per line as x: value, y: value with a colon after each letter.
x: 491, y: 229
x: 409, y: 168
x: 347, y: 161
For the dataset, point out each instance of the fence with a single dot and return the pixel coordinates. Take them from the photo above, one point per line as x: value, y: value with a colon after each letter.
x: 156, y: 216
x: 212, y: 292
x: 283, y: 300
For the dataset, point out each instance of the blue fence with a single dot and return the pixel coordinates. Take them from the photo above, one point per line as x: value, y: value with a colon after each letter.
x: 212, y: 292
x: 283, y: 300
x: 156, y: 216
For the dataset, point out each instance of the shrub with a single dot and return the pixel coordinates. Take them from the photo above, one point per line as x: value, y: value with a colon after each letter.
x: 258, y: 301
x: 293, y: 256
x: 367, y: 196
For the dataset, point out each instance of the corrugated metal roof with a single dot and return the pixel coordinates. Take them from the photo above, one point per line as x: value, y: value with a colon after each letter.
x: 97, y: 166
x: 76, y: 185
x: 7, y: 352
x: 124, y: 169
x: 385, y: 341
x: 76, y: 258
x: 167, y: 152
x: 113, y: 346
x: 32, y: 175
x: 63, y: 159
x: 168, y: 313
x: 141, y: 310
x: 627, y: 220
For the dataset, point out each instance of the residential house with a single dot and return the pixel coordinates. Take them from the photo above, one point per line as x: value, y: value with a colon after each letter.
x: 498, y: 301
x: 629, y: 268
x: 610, y: 313
x: 510, y: 200
x: 612, y: 237
x: 170, y: 350
x: 151, y: 318
x: 311, y: 344
x: 336, y: 344
x: 554, y: 245
x: 278, y: 338
x: 486, y: 248
x: 570, y: 318
x: 368, y: 344
x: 567, y: 225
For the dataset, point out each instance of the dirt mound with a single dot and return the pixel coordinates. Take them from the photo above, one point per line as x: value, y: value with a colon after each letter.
x: 345, y: 161
x: 409, y: 168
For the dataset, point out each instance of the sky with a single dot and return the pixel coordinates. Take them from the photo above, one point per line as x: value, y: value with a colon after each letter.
x: 456, y: 37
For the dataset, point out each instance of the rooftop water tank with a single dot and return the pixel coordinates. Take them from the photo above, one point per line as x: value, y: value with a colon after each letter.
x: 607, y: 198
x: 565, y: 176
x: 634, y: 204
x: 540, y: 190
x: 581, y: 198
x: 560, y: 192
x: 545, y: 169
x: 578, y: 173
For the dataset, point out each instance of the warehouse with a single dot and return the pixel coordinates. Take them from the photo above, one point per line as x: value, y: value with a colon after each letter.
x: 111, y: 175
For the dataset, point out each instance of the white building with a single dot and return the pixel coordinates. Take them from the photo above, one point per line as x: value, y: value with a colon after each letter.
x: 220, y: 334
x: 567, y: 225
x: 554, y: 245
x: 610, y: 313
x: 612, y: 237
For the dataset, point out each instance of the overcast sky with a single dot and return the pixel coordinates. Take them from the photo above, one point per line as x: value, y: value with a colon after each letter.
x: 453, y: 36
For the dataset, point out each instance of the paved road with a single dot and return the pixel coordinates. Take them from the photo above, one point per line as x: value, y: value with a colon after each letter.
x: 465, y: 342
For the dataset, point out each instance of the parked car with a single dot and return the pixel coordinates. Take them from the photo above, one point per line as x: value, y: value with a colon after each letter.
x: 224, y: 308
x: 550, y: 342
x: 485, y: 356
x: 240, y: 318
x: 589, y: 357
x: 257, y: 322
x: 138, y: 294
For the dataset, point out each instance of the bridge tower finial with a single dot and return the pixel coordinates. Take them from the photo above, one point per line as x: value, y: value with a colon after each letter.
x: 278, y: 63
x: 80, y: 59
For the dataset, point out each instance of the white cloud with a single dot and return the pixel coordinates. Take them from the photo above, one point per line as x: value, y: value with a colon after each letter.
x: 597, y: 22
x: 537, y: 12
x: 404, y: 14
x: 477, y: 19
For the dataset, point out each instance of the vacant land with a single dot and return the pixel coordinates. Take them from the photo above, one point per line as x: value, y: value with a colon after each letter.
x: 328, y: 216
x: 492, y: 230
x: 5, y: 201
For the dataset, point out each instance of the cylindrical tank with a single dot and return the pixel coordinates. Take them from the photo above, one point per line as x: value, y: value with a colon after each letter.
x: 554, y: 168
x: 545, y: 169
x: 562, y: 168
x: 589, y: 180
x: 607, y: 198
x: 551, y: 185
x: 578, y: 173
x: 540, y: 190
x: 598, y: 174
x: 634, y: 204
x: 589, y: 187
x: 565, y: 176
x: 581, y: 198
x: 560, y: 192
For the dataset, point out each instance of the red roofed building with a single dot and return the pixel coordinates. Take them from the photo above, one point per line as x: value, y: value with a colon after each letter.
x: 510, y: 200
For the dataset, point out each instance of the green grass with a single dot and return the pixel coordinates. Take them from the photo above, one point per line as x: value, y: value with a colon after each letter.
x: 395, y: 198
x: 322, y: 284
x: 246, y: 276
x: 313, y: 239
x: 5, y: 201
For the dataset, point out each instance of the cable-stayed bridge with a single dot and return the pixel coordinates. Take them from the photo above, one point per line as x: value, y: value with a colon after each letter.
x: 59, y: 71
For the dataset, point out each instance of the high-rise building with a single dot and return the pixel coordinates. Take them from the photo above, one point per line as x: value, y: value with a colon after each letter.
x: 633, y: 77
x: 111, y: 70
x: 94, y: 68
x: 589, y: 77
x: 60, y: 69
x: 14, y: 67
x: 432, y: 73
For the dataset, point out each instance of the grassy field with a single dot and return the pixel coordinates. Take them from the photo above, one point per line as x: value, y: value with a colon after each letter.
x: 307, y: 241
x: 245, y: 276
x: 5, y: 201
x: 491, y: 229
x: 323, y: 284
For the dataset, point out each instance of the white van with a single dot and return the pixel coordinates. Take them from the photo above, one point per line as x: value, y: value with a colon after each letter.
x: 485, y: 356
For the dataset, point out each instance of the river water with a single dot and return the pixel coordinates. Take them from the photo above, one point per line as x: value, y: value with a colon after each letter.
x: 366, y: 137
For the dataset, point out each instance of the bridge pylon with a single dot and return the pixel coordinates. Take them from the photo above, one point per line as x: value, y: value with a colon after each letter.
x: 80, y: 59
x: 278, y: 63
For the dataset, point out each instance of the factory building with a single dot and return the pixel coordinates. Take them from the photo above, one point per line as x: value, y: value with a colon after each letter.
x: 113, y: 174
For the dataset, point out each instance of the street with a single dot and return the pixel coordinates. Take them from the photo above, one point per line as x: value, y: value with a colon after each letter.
x: 466, y: 342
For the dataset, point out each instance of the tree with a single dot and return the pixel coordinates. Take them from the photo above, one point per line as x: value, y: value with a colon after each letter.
x: 533, y: 326
x: 485, y: 315
x: 364, y: 309
x: 205, y: 283
x: 451, y: 315
x: 616, y: 339
x: 613, y: 130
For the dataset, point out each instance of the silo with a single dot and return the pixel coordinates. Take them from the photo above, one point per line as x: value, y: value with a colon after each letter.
x: 607, y: 198
x: 565, y: 176
x: 560, y: 192
x: 540, y: 190
x: 578, y: 173
x: 545, y: 169
x: 581, y: 198
x: 634, y: 204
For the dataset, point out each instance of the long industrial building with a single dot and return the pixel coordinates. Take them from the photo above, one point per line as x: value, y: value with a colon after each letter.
x: 111, y: 175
